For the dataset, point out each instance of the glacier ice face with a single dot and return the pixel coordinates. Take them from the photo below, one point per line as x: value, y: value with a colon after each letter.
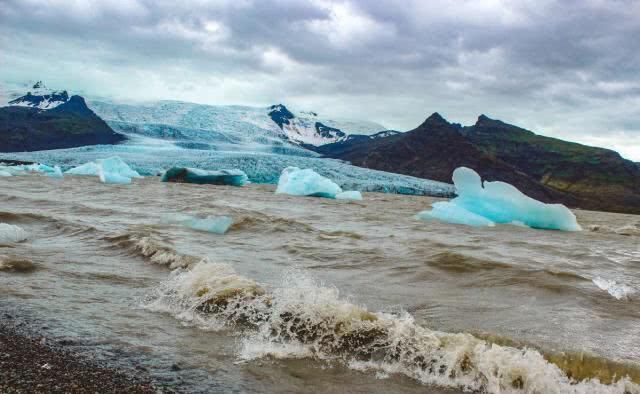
x: 194, y: 175
x: 452, y: 213
x: 307, y: 182
x: 499, y: 202
x: 349, y: 195
x: 10, y: 233
x: 210, y: 224
x: 153, y: 156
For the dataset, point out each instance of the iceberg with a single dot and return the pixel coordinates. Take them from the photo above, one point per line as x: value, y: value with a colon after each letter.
x: 483, y: 204
x: 349, y: 195
x: 10, y: 233
x: 56, y: 174
x: 452, y: 213
x: 307, y: 182
x: 210, y: 224
x: 111, y: 170
x: 4, y: 173
x: 202, y: 177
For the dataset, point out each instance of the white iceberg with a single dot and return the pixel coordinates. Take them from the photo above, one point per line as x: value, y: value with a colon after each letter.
x: 498, y: 202
x: 307, y: 182
x: 210, y: 224
x: 4, y: 173
x: 111, y: 170
x: 349, y: 195
x: 10, y: 233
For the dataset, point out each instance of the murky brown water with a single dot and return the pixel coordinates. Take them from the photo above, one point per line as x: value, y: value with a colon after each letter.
x: 315, y: 295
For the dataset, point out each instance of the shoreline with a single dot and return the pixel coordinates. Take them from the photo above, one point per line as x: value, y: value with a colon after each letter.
x: 30, y: 364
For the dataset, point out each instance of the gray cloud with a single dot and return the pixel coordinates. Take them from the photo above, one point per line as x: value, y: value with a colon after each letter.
x: 565, y: 68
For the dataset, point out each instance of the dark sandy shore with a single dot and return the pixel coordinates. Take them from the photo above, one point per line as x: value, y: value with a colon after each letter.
x: 30, y: 365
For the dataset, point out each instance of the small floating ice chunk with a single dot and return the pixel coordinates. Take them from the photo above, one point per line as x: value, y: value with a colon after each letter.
x: 349, y: 195
x: 451, y: 213
x: 10, y: 233
x: 232, y: 177
x: 4, y: 173
x: 211, y: 224
x: 113, y: 178
x: 501, y: 202
x: 307, y: 182
x: 618, y: 290
x: 56, y: 174
x: 115, y: 165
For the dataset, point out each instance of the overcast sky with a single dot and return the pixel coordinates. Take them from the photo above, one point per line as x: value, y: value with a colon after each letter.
x: 569, y: 69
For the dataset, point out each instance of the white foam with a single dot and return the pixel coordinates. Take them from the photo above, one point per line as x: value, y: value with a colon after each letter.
x: 618, y: 290
x: 302, y: 318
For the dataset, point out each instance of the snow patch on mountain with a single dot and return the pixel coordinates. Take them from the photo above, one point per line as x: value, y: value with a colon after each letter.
x: 39, y: 96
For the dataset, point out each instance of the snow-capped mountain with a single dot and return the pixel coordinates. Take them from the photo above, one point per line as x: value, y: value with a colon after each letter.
x: 39, y: 96
x: 307, y: 128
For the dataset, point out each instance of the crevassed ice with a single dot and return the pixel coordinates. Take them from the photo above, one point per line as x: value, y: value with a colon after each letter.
x: 153, y: 159
x: 498, y: 202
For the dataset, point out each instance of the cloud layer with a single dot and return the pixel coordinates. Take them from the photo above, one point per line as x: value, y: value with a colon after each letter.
x: 569, y: 69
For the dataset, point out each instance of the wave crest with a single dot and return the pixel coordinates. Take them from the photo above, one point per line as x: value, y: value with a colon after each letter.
x: 304, y: 319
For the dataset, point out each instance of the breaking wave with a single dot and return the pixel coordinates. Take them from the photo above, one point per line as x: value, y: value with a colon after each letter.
x: 619, y: 291
x: 302, y: 319
x: 148, y: 244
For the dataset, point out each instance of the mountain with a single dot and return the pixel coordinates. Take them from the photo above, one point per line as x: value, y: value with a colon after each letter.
x: 26, y: 126
x: 41, y: 97
x: 545, y: 168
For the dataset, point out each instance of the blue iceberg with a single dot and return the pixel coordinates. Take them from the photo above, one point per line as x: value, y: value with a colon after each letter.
x: 484, y: 204
x: 210, y: 224
x: 307, y: 182
x: 56, y: 174
x: 202, y: 177
x: 349, y: 195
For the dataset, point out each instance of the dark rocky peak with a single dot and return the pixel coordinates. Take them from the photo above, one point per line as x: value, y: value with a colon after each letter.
x: 39, y: 85
x: 75, y: 105
x: 280, y: 115
x: 328, y: 132
x: 436, y: 122
x: 486, y: 124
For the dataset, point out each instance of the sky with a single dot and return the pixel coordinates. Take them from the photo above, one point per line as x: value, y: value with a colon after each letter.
x: 568, y: 69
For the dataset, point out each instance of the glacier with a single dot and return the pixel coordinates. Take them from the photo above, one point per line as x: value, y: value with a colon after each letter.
x: 194, y: 175
x: 165, y: 134
x: 307, y: 182
x: 484, y: 204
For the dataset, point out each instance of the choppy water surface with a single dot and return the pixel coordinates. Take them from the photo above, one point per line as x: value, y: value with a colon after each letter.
x: 307, y: 294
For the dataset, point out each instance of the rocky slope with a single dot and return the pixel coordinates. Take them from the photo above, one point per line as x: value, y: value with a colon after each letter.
x: 66, y: 124
x: 545, y: 168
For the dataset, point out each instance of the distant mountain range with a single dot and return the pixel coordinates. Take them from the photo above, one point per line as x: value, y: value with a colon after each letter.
x: 545, y: 168
x: 43, y: 121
